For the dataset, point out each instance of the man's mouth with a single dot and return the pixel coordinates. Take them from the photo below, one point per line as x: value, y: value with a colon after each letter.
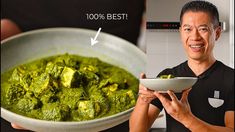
x: 196, y: 47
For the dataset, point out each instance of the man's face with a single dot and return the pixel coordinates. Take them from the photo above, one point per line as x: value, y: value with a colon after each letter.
x: 198, y: 35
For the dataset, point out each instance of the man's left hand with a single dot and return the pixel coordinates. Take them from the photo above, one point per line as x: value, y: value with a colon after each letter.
x: 178, y: 109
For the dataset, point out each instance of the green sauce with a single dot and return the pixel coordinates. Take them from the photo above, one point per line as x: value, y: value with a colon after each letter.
x: 68, y: 88
x: 169, y: 76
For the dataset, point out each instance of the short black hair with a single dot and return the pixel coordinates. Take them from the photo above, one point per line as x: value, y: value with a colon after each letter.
x: 204, y: 6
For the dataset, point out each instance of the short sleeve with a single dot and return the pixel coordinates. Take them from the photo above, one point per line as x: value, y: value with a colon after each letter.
x: 156, y: 102
x: 165, y: 72
x: 230, y: 100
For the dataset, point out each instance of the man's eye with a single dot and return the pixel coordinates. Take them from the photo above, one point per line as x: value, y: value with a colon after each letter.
x: 187, y: 29
x: 203, y: 29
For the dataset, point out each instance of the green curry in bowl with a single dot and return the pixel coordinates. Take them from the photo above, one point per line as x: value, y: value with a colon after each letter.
x: 68, y: 88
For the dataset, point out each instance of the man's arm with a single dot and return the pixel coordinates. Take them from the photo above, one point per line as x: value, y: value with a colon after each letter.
x: 180, y: 111
x: 143, y: 116
x: 144, y: 113
x: 195, y: 125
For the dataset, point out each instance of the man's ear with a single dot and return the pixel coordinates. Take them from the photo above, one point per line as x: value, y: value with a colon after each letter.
x: 218, y: 31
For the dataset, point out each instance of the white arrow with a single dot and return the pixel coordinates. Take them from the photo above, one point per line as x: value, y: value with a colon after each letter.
x: 94, y: 41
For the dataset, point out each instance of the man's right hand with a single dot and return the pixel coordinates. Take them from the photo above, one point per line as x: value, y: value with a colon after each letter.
x: 145, y: 94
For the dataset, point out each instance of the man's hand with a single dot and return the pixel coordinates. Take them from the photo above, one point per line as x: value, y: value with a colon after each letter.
x: 8, y: 29
x: 145, y: 94
x: 178, y: 109
x: 17, y: 127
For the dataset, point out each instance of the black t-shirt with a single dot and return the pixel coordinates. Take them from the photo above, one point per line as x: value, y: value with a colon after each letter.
x: 216, y: 82
x: 35, y: 14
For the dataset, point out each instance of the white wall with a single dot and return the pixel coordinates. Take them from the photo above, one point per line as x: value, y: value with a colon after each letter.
x: 231, y: 33
x: 164, y: 49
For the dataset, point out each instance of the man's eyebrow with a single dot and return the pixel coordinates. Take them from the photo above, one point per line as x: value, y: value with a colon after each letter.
x: 203, y: 25
x: 186, y: 25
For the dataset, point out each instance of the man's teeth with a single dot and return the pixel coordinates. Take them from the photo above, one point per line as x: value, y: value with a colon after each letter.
x: 196, y: 46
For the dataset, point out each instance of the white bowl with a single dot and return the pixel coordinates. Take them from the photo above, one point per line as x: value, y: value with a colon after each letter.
x: 177, y: 84
x: 47, y: 42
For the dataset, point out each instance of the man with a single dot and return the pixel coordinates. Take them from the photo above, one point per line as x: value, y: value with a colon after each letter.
x: 191, y: 110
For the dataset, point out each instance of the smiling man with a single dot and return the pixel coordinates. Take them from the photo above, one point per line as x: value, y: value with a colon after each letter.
x: 209, y: 104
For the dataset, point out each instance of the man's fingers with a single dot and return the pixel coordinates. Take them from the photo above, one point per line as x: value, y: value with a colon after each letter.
x: 142, y: 75
x: 142, y: 87
x: 17, y: 126
x: 172, y: 95
x: 185, y: 94
x: 145, y: 91
x: 165, y: 102
x: 146, y: 96
x: 8, y: 28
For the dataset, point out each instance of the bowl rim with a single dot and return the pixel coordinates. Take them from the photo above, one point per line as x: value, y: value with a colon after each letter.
x: 3, y: 110
x: 54, y: 29
x: 175, y: 78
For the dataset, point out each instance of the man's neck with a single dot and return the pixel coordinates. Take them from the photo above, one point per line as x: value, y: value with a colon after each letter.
x: 198, y: 67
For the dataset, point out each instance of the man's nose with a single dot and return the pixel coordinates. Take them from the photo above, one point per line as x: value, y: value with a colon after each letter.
x: 195, y: 35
